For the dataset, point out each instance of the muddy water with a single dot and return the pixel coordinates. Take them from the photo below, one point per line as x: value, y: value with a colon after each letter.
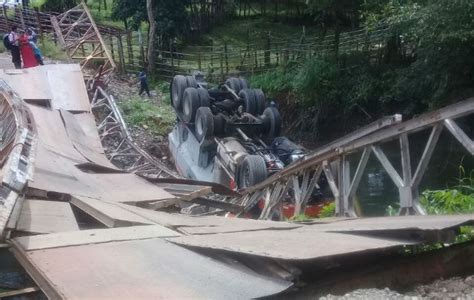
x: 377, y: 191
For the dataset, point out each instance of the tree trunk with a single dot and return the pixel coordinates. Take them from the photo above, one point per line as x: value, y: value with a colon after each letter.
x: 151, y: 37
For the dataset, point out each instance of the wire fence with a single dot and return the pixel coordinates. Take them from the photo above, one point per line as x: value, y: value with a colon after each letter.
x: 129, y: 48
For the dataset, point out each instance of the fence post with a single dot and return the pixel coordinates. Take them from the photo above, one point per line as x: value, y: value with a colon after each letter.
x: 121, y: 54
x: 199, y: 60
x: 221, y: 57
x: 112, y: 52
x: 5, y: 15
x: 267, y: 50
x: 38, y: 20
x: 20, y: 12
x: 226, y: 58
x: 129, y: 48
x: 172, y: 58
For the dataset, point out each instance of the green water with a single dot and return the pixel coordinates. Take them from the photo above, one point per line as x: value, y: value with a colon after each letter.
x: 377, y: 191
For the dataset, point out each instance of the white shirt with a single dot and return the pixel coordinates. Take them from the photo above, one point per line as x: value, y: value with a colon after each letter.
x: 13, y: 38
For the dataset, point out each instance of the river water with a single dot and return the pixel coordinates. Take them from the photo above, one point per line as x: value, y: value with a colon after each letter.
x: 377, y: 191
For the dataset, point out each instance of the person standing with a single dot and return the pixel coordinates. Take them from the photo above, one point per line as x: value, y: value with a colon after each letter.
x: 143, y: 83
x: 13, y: 46
x: 27, y: 54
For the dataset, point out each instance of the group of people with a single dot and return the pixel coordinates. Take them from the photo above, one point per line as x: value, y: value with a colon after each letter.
x: 23, y: 48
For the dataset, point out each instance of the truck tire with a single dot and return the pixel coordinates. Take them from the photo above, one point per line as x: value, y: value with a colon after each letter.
x: 272, y: 123
x: 204, y: 97
x: 191, y: 103
x: 248, y: 98
x: 252, y: 170
x: 178, y: 85
x: 191, y: 81
x: 204, y: 125
x: 234, y: 83
x: 244, y: 84
x: 260, y: 101
x: 219, y: 125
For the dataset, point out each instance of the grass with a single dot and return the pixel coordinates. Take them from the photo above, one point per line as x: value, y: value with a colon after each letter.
x: 103, y: 16
x: 51, y: 50
x: 141, y: 112
x: 240, y: 31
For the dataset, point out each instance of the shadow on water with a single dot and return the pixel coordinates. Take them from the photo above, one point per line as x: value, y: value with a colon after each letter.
x: 377, y: 191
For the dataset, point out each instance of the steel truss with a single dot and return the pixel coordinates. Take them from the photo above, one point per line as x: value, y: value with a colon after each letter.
x: 80, y: 37
x: 118, y: 143
x: 332, y: 159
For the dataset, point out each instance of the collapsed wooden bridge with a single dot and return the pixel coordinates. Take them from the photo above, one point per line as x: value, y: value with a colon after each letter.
x: 80, y: 206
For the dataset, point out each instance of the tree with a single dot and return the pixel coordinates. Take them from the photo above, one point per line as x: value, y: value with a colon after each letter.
x: 151, y: 36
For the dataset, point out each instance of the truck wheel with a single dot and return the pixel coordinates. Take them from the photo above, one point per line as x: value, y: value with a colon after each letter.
x: 248, y: 97
x: 234, y: 83
x: 260, y: 100
x: 219, y: 124
x: 252, y: 171
x: 244, y: 84
x: 204, y: 123
x: 191, y: 103
x: 204, y: 97
x: 272, y: 123
x: 191, y: 81
x: 178, y: 85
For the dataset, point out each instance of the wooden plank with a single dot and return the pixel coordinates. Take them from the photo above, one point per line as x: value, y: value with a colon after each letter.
x: 93, y: 236
x: 24, y: 291
x: 89, y: 126
x: 293, y: 244
x: 68, y: 90
x: 108, y: 214
x: 140, y: 269
x: 208, y: 224
x: 185, y: 192
x: 81, y: 141
x: 38, y: 216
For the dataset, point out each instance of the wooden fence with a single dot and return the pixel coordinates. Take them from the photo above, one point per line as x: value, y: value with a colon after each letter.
x: 221, y: 61
x: 128, y: 49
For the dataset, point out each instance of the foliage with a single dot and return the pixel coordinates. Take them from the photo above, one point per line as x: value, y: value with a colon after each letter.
x: 51, y: 50
x: 426, y: 64
x: 328, y: 210
x: 58, y: 5
x: 459, y: 199
x: 171, y: 15
x: 140, y: 112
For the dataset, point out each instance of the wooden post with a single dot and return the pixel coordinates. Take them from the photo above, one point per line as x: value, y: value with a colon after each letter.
x: 199, y: 60
x: 226, y: 58
x: 221, y: 56
x: 111, y: 38
x: 20, y: 12
x: 38, y: 20
x: 171, y: 55
x: 121, y: 54
x: 129, y: 48
x: 5, y: 15
x: 267, y: 51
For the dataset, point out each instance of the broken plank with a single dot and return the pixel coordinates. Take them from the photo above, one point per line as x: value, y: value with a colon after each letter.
x: 92, y: 236
x: 108, y: 214
x: 39, y: 216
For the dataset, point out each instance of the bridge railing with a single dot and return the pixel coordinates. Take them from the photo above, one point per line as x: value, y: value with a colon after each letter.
x: 303, y: 176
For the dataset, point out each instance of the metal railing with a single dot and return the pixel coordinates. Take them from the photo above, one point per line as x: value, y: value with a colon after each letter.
x: 303, y: 176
